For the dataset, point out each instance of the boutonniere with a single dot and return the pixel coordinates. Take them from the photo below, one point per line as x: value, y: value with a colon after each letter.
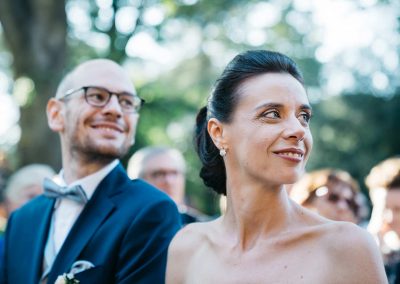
x: 66, y: 278
x: 77, y: 267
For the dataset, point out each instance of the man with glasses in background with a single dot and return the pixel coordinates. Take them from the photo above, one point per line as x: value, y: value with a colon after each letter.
x: 165, y: 168
x: 93, y: 224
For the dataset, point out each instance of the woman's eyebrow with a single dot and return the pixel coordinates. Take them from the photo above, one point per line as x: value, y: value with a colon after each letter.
x: 306, y: 107
x: 278, y: 105
x: 269, y: 105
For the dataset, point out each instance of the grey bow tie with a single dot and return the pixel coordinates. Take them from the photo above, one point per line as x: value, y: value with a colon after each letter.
x: 53, y: 190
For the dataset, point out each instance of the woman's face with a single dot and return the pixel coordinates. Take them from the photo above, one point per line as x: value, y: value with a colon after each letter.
x: 335, y: 201
x: 391, y: 214
x: 269, y: 138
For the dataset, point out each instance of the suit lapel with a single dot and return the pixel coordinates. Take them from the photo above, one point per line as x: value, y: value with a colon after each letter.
x: 42, y: 214
x: 92, y: 216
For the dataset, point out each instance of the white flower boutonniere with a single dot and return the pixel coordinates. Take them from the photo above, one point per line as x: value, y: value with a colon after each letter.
x: 66, y: 279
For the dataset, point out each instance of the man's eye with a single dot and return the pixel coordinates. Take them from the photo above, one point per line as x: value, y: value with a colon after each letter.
x: 126, y: 102
x: 97, y: 96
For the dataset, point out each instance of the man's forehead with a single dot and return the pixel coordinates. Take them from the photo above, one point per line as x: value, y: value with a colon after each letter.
x: 102, y: 73
x: 98, y: 63
x: 163, y: 170
x: 163, y: 162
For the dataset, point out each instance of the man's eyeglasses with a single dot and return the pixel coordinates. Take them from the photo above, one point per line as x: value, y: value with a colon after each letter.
x: 162, y: 174
x: 99, y: 97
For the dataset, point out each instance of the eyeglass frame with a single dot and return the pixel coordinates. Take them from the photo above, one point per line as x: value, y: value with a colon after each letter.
x: 85, y: 88
x: 334, y: 198
x: 162, y: 174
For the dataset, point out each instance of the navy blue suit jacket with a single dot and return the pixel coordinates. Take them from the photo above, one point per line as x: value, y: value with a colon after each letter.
x: 124, y: 230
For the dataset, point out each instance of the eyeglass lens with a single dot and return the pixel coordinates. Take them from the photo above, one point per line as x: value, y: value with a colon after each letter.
x: 335, y: 198
x: 160, y: 174
x: 100, y: 97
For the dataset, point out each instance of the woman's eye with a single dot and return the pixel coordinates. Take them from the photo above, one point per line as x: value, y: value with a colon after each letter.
x: 271, y: 114
x: 305, y: 117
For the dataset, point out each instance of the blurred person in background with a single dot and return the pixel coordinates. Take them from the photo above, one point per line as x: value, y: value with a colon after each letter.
x: 25, y: 184
x: 383, y: 183
x: 332, y: 193
x: 4, y: 174
x: 165, y: 168
x: 22, y: 186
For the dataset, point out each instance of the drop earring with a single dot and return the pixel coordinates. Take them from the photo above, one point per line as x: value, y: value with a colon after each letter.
x: 222, y: 152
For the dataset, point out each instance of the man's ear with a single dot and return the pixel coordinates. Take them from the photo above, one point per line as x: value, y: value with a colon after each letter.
x: 55, y: 118
x: 216, y: 130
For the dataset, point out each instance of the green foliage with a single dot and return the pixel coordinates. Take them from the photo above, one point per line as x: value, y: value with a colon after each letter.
x: 355, y: 132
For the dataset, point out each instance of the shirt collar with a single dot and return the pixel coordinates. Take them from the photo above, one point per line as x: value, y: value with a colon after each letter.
x: 89, y: 183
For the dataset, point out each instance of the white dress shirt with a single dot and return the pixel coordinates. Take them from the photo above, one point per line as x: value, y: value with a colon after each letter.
x: 66, y: 211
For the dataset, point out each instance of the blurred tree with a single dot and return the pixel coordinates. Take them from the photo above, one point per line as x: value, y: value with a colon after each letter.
x: 36, y: 35
x: 355, y: 132
x: 175, y: 50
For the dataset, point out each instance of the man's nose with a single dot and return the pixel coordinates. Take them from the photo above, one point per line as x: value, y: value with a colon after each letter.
x: 113, y: 106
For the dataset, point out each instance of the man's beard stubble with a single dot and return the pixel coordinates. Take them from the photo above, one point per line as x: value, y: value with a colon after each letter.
x: 92, y: 154
x: 85, y: 149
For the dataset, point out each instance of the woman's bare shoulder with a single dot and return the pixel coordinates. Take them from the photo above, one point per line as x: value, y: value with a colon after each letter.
x: 192, y: 235
x: 348, y: 251
x: 348, y: 248
x: 343, y: 235
x: 183, y: 247
x: 354, y: 253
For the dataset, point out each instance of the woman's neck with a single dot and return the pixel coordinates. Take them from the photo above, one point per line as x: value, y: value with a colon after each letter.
x: 255, y: 213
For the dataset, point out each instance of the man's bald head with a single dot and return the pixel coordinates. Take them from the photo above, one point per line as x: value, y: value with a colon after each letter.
x: 96, y: 72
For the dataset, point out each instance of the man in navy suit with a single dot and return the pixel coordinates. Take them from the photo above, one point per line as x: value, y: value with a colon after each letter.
x: 93, y: 224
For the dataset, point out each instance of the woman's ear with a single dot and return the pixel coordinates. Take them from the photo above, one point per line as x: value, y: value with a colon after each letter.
x: 55, y: 118
x: 216, y: 130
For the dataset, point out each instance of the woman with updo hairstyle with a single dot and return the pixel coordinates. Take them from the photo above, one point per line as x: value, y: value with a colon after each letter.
x: 253, y: 137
